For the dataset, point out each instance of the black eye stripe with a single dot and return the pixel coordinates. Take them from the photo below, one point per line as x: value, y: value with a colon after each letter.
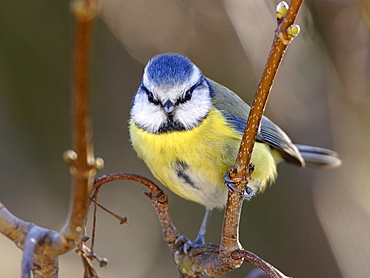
x: 188, y: 94
x: 150, y: 96
x: 184, y: 98
x: 200, y: 82
x: 145, y: 89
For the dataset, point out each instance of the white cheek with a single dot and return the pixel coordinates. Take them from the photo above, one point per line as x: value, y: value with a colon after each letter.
x: 193, y: 111
x: 147, y: 115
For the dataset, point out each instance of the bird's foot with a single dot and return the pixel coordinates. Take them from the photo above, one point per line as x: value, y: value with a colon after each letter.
x: 184, y: 245
x: 229, y: 183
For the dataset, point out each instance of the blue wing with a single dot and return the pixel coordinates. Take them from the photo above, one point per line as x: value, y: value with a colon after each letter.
x: 236, y: 111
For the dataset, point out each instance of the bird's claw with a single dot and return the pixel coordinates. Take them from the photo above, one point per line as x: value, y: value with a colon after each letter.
x: 185, y: 245
x: 249, y: 194
x: 229, y: 183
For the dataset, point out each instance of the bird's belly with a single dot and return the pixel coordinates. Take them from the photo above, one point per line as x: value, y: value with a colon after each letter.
x: 192, y: 163
x: 204, y: 187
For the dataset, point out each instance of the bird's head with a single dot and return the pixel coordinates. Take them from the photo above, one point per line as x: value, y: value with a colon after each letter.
x: 174, y: 95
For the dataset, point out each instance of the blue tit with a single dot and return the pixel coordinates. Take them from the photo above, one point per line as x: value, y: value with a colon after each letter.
x: 187, y: 129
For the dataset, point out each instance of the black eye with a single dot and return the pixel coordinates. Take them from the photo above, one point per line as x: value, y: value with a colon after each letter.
x: 185, y: 97
x: 188, y: 95
x: 152, y: 99
x: 150, y: 96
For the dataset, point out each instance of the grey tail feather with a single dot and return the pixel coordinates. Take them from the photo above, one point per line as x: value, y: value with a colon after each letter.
x: 319, y: 157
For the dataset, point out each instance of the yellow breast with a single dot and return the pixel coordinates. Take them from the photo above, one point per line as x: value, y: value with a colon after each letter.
x: 192, y: 163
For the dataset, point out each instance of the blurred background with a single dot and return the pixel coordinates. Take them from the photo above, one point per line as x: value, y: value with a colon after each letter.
x: 311, y: 223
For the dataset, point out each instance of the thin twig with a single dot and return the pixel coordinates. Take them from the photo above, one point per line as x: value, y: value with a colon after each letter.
x: 122, y: 220
x: 98, y: 182
x: 94, y: 198
x: 93, y: 232
x: 258, y: 262
x: 159, y: 201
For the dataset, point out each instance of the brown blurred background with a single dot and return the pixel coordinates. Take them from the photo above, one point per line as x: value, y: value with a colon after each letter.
x: 312, y: 223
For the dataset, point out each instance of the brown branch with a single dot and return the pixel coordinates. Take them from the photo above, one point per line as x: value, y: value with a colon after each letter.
x: 12, y: 227
x: 42, y: 246
x: 122, y: 220
x: 224, y: 262
x: 159, y: 201
x: 98, y: 182
x: 44, y: 266
x: 258, y: 262
x: 197, y: 257
x: 83, y: 167
x: 230, y: 238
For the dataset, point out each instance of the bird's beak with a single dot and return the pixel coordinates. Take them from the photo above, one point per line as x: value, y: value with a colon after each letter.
x: 168, y: 107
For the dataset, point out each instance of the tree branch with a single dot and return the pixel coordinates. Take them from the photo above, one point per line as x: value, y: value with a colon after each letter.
x: 41, y: 247
x: 159, y: 201
x: 230, y: 233
x: 83, y: 164
x: 224, y: 262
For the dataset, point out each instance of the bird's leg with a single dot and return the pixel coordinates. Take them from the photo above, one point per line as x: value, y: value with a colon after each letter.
x: 186, y: 244
x: 230, y: 183
x: 203, y: 227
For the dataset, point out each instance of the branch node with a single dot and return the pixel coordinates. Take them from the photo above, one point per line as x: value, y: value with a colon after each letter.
x: 79, y: 251
x: 69, y: 156
x: 34, y: 235
x: 103, y: 262
x: 84, y: 10
x: 293, y: 31
x: 281, y: 10
x: 159, y: 197
x: 123, y: 220
x: 86, y: 252
x: 91, y: 256
x: 99, y: 163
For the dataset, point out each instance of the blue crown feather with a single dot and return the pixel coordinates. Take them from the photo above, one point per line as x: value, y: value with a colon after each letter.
x: 169, y: 69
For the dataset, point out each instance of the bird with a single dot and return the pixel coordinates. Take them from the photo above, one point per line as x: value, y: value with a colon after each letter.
x: 187, y: 129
